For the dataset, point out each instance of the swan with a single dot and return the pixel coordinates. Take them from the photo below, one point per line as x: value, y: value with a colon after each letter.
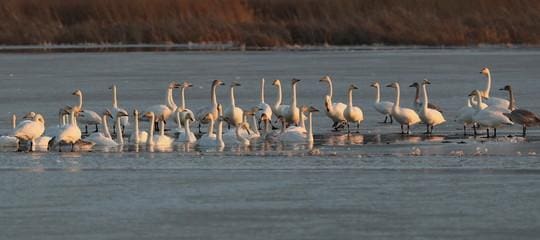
x: 204, y: 114
x: 298, y: 136
x: 383, y: 107
x: 86, y: 117
x: 492, y: 101
x: 404, y: 116
x: 465, y: 115
x: 138, y: 137
x: 489, y: 117
x: 335, y: 111
x: 123, y: 120
x: 10, y: 141
x: 210, y: 139
x: 279, y: 109
x: 182, y: 110
x: 239, y: 138
x: 71, y: 133
x: 254, y: 126
x: 292, y: 115
x: 233, y: 114
x: 30, y: 130
x: 159, y: 139
x: 353, y: 114
x: 187, y: 136
x: 104, y: 138
x: 430, y: 117
x: 162, y: 112
x: 264, y: 111
x: 523, y: 117
x: 418, y: 105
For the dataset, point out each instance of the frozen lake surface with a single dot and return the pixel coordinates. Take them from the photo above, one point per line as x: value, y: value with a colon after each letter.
x: 372, y: 184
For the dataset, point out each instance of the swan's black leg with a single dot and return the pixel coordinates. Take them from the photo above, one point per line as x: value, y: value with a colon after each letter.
x: 200, y: 127
x: 494, y: 132
x: 524, y: 130
x: 348, y: 129
x: 385, y: 118
x: 408, y: 129
x: 391, y: 119
x: 86, y: 129
x: 487, y: 131
x: 72, y: 147
x: 402, y: 129
x: 427, y: 128
x: 431, y: 130
x: 357, y: 127
x: 96, y: 129
x: 464, y: 130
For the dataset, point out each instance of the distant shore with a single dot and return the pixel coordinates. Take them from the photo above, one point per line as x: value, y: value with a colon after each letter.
x: 262, y: 24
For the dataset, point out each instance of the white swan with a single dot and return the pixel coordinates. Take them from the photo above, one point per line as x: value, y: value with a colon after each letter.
x: 418, y: 105
x: 292, y: 115
x: 30, y: 130
x: 86, y: 117
x: 299, y: 136
x: 492, y: 101
x: 210, y: 139
x: 233, y: 114
x: 334, y: 111
x: 353, y: 114
x: 187, y: 136
x: 489, y: 117
x: 465, y: 115
x: 71, y: 133
x: 204, y: 114
x: 239, y: 138
x: 162, y: 112
x: 159, y: 139
x: 182, y: 110
x: 123, y: 120
x: 264, y: 111
x: 138, y: 137
x: 404, y: 116
x: 10, y: 141
x: 383, y: 107
x: 430, y: 117
x: 104, y: 138
x: 279, y: 109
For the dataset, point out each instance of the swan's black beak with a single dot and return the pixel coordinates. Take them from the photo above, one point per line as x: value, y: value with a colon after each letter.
x: 389, y: 85
x: 295, y: 80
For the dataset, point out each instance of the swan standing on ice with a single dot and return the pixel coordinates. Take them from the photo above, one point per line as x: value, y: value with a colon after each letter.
x: 264, y: 111
x: 30, y: 130
x: 300, y: 136
x: 210, y: 139
x: 430, y: 117
x: 162, y: 112
x: 124, y: 120
x: 492, y: 101
x: 292, y: 115
x: 103, y: 138
x: 404, y: 116
x: 138, y: 137
x: 418, y: 105
x: 489, y: 117
x: 204, y: 114
x: 10, y: 141
x: 465, y: 115
x: 523, y: 117
x: 279, y: 109
x: 383, y: 107
x: 187, y: 136
x: 86, y: 117
x: 335, y: 111
x: 233, y: 114
x: 353, y: 114
x: 182, y: 110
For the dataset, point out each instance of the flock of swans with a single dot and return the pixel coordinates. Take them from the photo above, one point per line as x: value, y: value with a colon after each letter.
x: 259, y: 122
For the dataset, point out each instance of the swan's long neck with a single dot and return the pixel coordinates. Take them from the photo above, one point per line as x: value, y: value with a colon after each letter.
x: 293, y: 99
x: 262, y: 90
x: 183, y: 98
x: 61, y: 119
x: 396, y: 103
x: 255, y: 129
x: 478, y: 101
x: 488, y: 86
x: 187, y: 130
x: 425, y: 106
x: 211, y: 126
x: 14, y: 121
x: 279, y: 96
x: 310, y: 126
x: 350, y: 98
x: 377, y: 94
x: 512, y: 105
x: 178, y: 120
x: 72, y: 119
x: 162, y: 128
x: 150, y: 140
x: 417, y: 96
x: 219, y: 137
x: 114, y: 99
x: 80, y: 101
x: 105, y: 126
x: 213, y: 96
x: 170, y: 100
x: 469, y: 102
x: 119, y: 136
x: 302, y: 120
x: 330, y: 89
x: 136, y: 127
x: 233, y: 105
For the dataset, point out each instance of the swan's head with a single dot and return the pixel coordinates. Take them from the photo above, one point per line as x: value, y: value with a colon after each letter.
x: 375, y: 84
x: 326, y: 79
x: 217, y: 82
x: 189, y: 115
x: 39, y: 118
x: 393, y: 85
x: 475, y: 92
x: 276, y: 82
x: 29, y: 115
x: 485, y: 71
x: 112, y: 87
x: 295, y: 80
x: 506, y: 88
x: 174, y: 84
x: 312, y: 109
x: 425, y: 81
x: 107, y: 112
x: 416, y: 85
x: 121, y: 114
x: 186, y: 84
x: 135, y: 112
x: 149, y: 115
x: 77, y: 92
x: 352, y: 87
x: 235, y: 84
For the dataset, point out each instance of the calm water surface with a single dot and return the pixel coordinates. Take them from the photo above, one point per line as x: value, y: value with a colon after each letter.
x: 373, y: 184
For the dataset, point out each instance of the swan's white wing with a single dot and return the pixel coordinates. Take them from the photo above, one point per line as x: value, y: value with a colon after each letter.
x: 29, y: 130
x: 89, y: 117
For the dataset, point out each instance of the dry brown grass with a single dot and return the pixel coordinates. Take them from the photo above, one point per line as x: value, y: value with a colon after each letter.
x: 271, y: 22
